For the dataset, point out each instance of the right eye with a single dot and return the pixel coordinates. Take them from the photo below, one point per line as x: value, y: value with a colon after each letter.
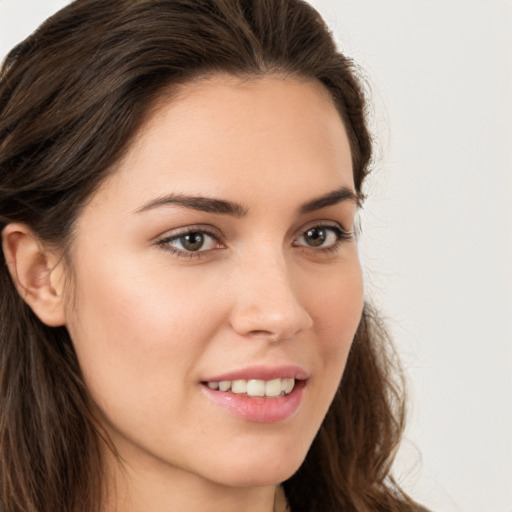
x: 190, y: 243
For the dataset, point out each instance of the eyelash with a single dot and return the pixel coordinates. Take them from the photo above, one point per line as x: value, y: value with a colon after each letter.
x: 341, y: 234
x: 164, y: 242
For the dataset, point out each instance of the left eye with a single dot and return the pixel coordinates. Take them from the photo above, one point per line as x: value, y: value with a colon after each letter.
x: 320, y: 236
x: 193, y: 241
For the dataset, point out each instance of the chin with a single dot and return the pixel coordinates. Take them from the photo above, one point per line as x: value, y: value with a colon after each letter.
x: 252, y: 479
x: 264, y: 469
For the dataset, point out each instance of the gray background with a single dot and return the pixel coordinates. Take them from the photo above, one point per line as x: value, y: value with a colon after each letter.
x: 437, y: 242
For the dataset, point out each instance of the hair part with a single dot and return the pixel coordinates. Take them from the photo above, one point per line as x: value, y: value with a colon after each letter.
x: 72, y: 98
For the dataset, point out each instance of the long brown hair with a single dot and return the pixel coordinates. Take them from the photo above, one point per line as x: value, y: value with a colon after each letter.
x: 72, y: 97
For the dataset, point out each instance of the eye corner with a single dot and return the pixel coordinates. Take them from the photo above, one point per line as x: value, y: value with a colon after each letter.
x: 329, y: 236
x: 207, y: 240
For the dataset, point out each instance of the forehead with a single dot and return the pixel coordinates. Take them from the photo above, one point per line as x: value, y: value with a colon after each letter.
x: 229, y: 136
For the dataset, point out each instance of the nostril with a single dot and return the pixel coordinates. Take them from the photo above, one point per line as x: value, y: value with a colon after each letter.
x: 267, y: 304
x: 265, y: 335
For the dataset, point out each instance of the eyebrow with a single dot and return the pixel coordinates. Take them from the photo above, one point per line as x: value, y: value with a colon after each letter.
x: 204, y: 204
x: 330, y: 199
x: 232, y: 208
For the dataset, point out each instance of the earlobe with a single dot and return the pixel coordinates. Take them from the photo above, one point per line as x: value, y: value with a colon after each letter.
x: 35, y: 272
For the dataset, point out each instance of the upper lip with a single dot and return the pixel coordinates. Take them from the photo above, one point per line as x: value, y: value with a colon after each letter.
x: 262, y: 373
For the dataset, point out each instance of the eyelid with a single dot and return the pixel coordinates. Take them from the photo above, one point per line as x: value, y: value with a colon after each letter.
x: 193, y: 228
x: 322, y: 223
x: 164, y: 240
x: 341, y: 234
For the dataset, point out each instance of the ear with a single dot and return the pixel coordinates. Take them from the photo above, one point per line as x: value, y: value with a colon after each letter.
x: 37, y: 273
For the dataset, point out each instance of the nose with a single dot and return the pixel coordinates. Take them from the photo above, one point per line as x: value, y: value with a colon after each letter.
x: 267, y: 303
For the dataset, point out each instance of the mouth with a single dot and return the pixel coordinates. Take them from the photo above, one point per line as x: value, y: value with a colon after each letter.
x: 263, y: 396
x: 254, y: 387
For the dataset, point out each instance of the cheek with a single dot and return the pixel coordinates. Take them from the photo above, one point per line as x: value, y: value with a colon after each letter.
x: 136, y: 330
x: 336, y: 313
x: 337, y: 310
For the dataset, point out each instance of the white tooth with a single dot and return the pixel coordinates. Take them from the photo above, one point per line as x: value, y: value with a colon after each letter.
x: 224, y: 385
x: 287, y: 385
x: 239, y: 386
x: 213, y: 385
x: 256, y: 387
x: 273, y: 387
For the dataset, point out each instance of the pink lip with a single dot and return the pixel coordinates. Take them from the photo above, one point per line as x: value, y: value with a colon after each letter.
x: 262, y: 373
x: 260, y: 409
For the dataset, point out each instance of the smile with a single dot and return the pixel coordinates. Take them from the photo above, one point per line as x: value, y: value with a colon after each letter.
x: 255, y: 388
x: 260, y: 408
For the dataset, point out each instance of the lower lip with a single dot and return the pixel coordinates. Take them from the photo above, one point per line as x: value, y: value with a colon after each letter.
x: 259, y: 409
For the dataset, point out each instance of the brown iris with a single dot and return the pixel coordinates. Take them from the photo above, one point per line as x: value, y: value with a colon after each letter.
x: 315, y: 236
x: 192, y: 241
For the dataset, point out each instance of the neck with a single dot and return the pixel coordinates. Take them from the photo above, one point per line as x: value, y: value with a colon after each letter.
x: 150, y: 488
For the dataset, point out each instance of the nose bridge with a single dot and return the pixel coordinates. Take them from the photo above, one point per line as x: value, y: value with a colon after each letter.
x: 267, y: 302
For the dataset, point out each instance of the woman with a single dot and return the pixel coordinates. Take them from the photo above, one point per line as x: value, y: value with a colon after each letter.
x: 183, y: 324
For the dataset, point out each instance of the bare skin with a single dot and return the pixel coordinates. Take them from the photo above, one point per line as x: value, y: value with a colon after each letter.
x: 168, y: 296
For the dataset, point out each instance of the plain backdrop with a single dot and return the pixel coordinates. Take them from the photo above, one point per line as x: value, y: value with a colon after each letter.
x: 437, y: 227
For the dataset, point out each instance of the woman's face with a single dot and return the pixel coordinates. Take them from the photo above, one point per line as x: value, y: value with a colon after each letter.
x: 220, y: 254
